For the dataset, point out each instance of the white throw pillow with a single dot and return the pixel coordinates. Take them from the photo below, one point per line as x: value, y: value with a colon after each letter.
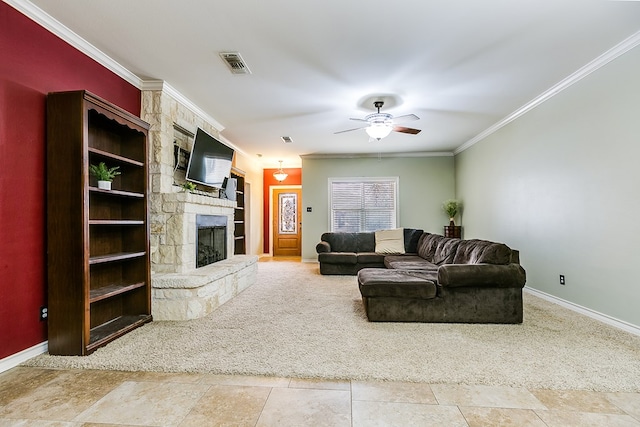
x: 390, y: 241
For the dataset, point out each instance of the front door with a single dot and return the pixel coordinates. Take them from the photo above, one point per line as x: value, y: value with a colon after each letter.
x: 286, y: 222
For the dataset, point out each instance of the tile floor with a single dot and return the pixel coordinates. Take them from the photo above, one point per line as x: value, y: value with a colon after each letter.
x: 45, y: 397
x: 73, y: 398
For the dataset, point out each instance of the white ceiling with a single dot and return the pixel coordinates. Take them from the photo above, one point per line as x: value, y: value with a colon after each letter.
x: 460, y: 65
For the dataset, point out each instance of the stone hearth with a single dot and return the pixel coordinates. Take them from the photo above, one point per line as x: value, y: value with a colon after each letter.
x: 184, y: 296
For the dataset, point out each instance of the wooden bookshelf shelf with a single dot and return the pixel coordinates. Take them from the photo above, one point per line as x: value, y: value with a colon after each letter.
x: 112, y: 290
x: 115, y: 222
x: 115, y: 157
x: 116, y: 257
x: 117, y: 192
x: 107, y: 332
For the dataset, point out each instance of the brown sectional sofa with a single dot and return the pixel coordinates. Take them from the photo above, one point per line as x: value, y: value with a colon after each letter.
x: 445, y: 280
x: 348, y: 253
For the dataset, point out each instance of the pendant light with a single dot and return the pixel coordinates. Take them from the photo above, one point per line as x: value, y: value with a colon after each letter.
x: 280, y: 175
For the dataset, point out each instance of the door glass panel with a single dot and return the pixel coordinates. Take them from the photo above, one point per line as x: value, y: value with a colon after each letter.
x: 288, y: 206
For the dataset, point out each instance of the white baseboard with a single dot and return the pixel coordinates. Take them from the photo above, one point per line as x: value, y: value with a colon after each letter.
x: 16, y: 359
x: 612, y: 321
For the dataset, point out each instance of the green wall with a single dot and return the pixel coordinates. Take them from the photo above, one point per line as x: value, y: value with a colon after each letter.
x: 424, y: 183
x: 562, y: 185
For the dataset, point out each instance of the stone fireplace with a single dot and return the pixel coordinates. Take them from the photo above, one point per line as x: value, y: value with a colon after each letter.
x: 193, y: 266
x: 177, y: 235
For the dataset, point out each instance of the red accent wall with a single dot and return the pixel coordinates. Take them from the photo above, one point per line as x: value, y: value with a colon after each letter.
x: 294, y: 178
x: 34, y: 62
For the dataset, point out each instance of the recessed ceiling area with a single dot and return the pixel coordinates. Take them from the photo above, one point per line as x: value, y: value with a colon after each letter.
x: 461, y: 66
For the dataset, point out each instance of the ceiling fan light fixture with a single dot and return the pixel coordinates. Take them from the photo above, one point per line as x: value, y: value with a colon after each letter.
x: 379, y: 130
x: 280, y: 175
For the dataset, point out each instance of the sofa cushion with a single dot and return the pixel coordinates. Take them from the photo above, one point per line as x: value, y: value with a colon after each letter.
x: 370, y: 258
x: 390, y: 241
x: 340, y: 242
x: 428, y: 244
x: 375, y: 282
x: 446, y: 251
x: 337, y: 257
x: 496, y: 253
x: 365, y: 242
x: 411, y: 237
x: 476, y: 251
x: 408, y: 262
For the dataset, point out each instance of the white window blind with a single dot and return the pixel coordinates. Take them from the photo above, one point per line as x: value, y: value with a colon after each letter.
x: 363, y: 204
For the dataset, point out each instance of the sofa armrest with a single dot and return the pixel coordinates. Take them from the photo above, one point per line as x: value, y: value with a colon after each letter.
x: 323, y: 247
x: 502, y: 276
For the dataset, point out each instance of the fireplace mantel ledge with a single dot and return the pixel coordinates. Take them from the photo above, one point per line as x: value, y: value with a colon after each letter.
x: 188, y: 197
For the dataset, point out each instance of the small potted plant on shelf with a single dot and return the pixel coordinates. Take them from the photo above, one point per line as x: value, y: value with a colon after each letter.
x: 104, y: 174
x: 452, y: 207
x: 189, y: 186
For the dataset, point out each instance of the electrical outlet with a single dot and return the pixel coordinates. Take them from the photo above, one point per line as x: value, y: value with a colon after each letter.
x: 562, y: 279
x: 44, y: 313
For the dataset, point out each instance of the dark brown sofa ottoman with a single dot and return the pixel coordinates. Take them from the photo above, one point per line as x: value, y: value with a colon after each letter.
x: 451, y: 295
x: 395, y: 296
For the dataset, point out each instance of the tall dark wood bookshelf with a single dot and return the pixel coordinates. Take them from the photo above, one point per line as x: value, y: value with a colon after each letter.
x: 99, y: 281
x: 240, y: 238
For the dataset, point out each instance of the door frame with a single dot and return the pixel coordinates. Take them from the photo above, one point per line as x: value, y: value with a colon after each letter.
x: 280, y: 187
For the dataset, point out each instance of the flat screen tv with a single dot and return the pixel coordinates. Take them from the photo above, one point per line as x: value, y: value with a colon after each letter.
x: 210, y: 161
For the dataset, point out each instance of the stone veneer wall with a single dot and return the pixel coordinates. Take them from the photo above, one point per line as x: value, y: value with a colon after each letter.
x: 180, y: 291
x: 172, y: 209
x: 176, y: 238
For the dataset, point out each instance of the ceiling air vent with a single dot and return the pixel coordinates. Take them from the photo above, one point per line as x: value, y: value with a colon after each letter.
x: 286, y: 139
x: 235, y: 62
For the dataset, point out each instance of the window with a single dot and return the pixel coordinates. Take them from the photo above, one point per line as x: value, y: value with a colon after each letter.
x: 363, y: 204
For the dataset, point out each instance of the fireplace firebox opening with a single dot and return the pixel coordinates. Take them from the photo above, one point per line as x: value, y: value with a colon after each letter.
x: 211, y: 240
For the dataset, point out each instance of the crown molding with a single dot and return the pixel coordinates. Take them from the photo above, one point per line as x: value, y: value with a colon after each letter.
x: 375, y: 155
x: 152, y: 85
x: 165, y: 87
x: 613, y: 53
x: 57, y: 28
x: 54, y: 26
x: 171, y: 91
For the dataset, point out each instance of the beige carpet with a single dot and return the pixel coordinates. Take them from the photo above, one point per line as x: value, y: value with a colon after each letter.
x: 296, y: 323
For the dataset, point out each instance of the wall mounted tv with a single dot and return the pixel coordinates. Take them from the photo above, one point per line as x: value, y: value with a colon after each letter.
x: 210, y: 161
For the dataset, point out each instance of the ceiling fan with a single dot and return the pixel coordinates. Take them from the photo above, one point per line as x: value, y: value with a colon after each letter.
x: 381, y: 124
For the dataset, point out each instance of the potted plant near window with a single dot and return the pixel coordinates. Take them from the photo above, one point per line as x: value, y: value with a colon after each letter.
x: 104, y: 174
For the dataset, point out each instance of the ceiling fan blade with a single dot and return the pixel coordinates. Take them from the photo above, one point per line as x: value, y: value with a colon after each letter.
x: 349, y: 130
x: 406, y: 118
x: 406, y: 130
x: 359, y: 120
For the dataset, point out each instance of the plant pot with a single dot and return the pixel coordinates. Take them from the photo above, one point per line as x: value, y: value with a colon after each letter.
x: 453, y: 231
x: 104, y: 185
